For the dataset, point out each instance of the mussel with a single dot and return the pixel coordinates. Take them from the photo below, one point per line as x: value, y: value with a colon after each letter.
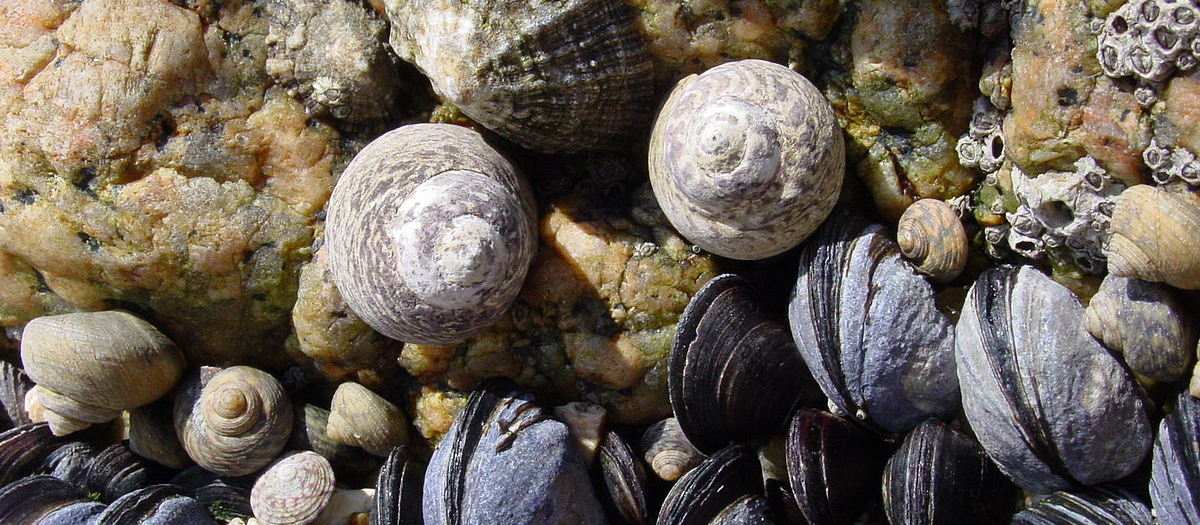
x: 398, y: 491
x: 870, y: 330
x: 1045, y: 399
x: 624, y: 480
x: 1093, y: 506
x: 29, y: 501
x: 733, y: 371
x: 707, y: 490
x: 14, y: 384
x: 833, y: 467
x: 504, y: 460
x: 1175, y: 470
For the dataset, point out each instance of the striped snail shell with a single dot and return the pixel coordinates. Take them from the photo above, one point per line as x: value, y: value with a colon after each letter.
x: 932, y: 237
x: 234, y: 421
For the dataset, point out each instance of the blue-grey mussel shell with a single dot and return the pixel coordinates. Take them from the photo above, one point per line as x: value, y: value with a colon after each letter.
x: 1093, y: 506
x: 706, y: 491
x: 833, y: 467
x: 36, y: 500
x: 733, y: 373
x: 155, y: 505
x: 624, y: 480
x: 398, y: 491
x: 940, y: 475
x: 228, y: 497
x: 24, y: 449
x: 1175, y: 469
x: 870, y: 330
x: 504, y: 460
x: 1050, y: 406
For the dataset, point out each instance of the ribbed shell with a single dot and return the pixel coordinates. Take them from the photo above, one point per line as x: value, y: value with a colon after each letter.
x: 232, y: 422
x: 293, y: 490
x: 931, y: 236
x: 24, y: 449
x: 667, y: 450
x: 27, y: 500
x: 361, y: 418
x: 309, y: 424
x: 1043, y: 397
x: 746, y: 159
x: 624, y: 480
x: 939, y: 475
x: 705, y: 491
x: 1175, y: 468
x: 398, y: 491
x: 733, y: 374
x: 429, y: 234
x: 833, y: 467
x: 1093, y: 506
x: 155, y: 505
x: 97, y: 364
x: 14, y: 384
x: 557, y: 76
x: 1156, y: 236
x: 1147, y: 324
x: 231, y: 494
x: 870, y: 330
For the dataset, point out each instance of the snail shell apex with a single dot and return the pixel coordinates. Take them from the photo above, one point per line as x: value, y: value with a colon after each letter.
x: 233, y: 421
x: 932, y: 237
x: 430, y: 233
x: 1156, y: 236
x: 90, y: 366
x: 746, y: 159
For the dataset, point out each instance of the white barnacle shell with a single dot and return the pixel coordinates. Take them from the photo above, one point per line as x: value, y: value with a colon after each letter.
x: 293, y: 490
x: 89, y: 367
x: 746, y: 159
x: 234, y: 421
x: 430, y: 234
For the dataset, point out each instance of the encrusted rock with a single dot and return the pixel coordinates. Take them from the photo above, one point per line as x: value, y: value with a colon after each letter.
x: 1149, y: 39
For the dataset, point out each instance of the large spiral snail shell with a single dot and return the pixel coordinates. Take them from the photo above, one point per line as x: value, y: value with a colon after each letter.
x: 89, y: 367
x: 430, y: 233
x: 931, y: 236
x: 233, y: 421
x: 1156, y: 236
x: 746, y: 159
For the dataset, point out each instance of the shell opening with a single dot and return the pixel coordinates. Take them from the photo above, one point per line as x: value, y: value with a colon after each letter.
x: 232, y: 408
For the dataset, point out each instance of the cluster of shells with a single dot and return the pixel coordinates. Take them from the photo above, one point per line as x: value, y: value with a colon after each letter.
x: 903, y: 377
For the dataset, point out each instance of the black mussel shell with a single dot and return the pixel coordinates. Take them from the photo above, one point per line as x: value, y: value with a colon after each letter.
x: 117, y: 471
x: 705, y: 491
x: 308, y: 433
x: 27, y: 500
x: 940, y: 475
x: 734, y: 374
x: 751, y: 509
x: 72, y: 462
x: 1050, y: 406
x: 224, y: 497
x: 398, y: 491
x: 505, y: 460
x: 624, y: 481
x: 14, y: 384
x: 1092, y: 506
x: 1175, y: 470
x: 155, y: 505
x: 833, y: 467
x: 24, y: 449
x: 869, y: 328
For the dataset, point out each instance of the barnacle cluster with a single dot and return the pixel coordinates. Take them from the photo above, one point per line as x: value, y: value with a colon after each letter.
x: 1150, y: 39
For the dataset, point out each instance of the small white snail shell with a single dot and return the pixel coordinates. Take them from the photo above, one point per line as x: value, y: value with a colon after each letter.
x: 233, y: 421
x: 746, y: 159
x: 1156, y: 236
x: 361, y: 418
x: 932, y: 237
x: 430, y: 234
x: 89, y: 367
x: 293, y: 490
x: 667, y: 451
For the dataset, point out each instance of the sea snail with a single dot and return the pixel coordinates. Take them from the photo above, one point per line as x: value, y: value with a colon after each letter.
x: 430, y: 233
x: 89, y: 367
x: 931, y: 236
x: 746, y: 159
x: 232, y: 421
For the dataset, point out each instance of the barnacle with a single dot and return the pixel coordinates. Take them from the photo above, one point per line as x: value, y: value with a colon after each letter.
x: 1149, y: 39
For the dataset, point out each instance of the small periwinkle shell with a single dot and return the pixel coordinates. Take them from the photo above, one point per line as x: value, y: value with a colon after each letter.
x: 293, y: 490
x: 667, y: 450
x: 309, y: 432
x: 91, y: 366
x: 233, y: 421
x: 940, y: 475
x: 1092, y: 506
x: 586, y: 423
x: 1156, y: 236
x: 870, y: 329
x: 566, y: 76
x: 504, y: 460
x: 429, y: 234
x: 832, y: 467
x: 733, y: 374
x: 1043, y: 397
x: 361, y: 418
x: 931, y: 236
x: 1146, y: 323
x: 746, y: 159
x: 1175, y: 468
x: 707, y: 490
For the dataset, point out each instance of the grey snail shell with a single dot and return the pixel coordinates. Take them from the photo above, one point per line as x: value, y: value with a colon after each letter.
x: 430, y: 233
x: 746, y: 159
